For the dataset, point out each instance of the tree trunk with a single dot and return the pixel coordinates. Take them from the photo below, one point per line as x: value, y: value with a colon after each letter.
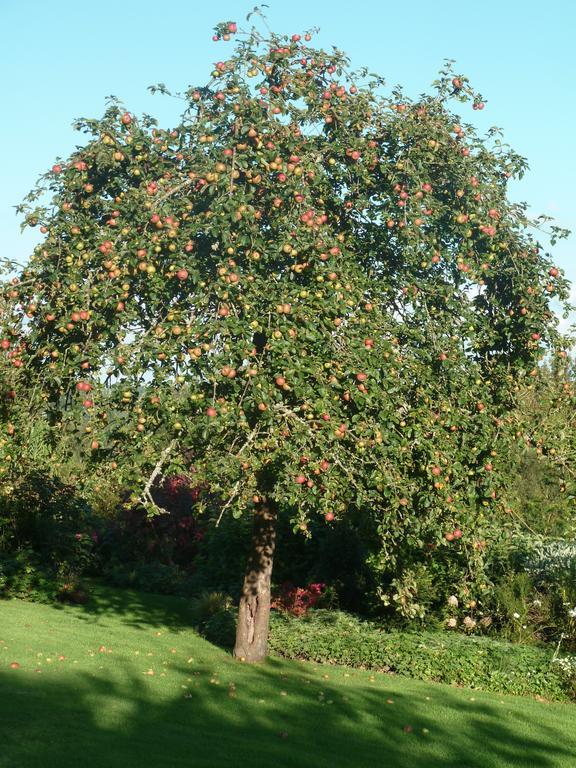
x: 254, y: 610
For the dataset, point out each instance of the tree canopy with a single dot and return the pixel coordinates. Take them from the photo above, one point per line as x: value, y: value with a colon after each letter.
x: 312, y: 293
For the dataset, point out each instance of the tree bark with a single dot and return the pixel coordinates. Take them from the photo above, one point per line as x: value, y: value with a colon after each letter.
x: 254, y: 610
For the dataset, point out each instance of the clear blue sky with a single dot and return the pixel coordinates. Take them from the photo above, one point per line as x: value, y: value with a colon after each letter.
x: 61, y: 58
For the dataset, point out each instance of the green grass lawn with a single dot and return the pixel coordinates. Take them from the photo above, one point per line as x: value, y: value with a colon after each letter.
x: 124, y: 683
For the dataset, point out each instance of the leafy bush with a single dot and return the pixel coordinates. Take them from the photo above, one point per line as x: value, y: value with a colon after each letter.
x: 148, y: 577
x: 214, y: 616
x: 21, y: 575
x: 47, y: 536
x: 49, y: 523
x: 548, y: 561
x: 513, y: 600
x: 538, y: 483
x: 477, y: 662
x: 221, y: 555
x: 220, y: 628
x: 206, y: 605
x: 535, y: 593
x: 170, y: 538
x: 566, y: 666
x: 298, y: 600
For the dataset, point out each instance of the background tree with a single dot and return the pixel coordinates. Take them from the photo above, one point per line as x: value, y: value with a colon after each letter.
x: 543, y: 477
x: 315, y: 297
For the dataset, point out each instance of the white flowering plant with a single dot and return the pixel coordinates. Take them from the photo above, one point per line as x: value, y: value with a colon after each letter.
x: 566, y: 667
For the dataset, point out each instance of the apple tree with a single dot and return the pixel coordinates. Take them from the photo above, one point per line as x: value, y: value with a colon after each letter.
x: 312, y: 293
x: 23, y: 431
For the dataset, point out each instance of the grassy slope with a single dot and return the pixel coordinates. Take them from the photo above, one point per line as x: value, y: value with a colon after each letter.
x: 136, y: 688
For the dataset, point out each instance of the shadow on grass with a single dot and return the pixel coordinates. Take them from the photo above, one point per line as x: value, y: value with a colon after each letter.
x: 277, y: 714
x: 139, y: 610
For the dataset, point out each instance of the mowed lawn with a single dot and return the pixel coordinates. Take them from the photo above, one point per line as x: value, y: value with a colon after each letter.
x: 123, y: 682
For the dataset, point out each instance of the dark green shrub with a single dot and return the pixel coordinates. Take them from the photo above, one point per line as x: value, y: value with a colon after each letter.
x: 151, y: 577
x: 220, y: 629
x: 221, y: 556
x: 50, y: 524
x: 476, y: 662
x: 204, y: 606
x: 23, y: 576
x: 130, y: 534
x: 214, y: 616
x: 534, y: 595
x: 539, y: 486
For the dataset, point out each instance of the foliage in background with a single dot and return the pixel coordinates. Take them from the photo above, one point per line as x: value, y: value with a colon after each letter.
x: 542, y: 479
x: 47, y: 535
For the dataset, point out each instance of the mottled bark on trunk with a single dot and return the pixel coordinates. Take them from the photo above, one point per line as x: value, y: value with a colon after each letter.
x: 254, y: 610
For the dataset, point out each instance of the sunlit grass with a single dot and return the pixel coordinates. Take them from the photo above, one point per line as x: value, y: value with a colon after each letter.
x: 124, y: 682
